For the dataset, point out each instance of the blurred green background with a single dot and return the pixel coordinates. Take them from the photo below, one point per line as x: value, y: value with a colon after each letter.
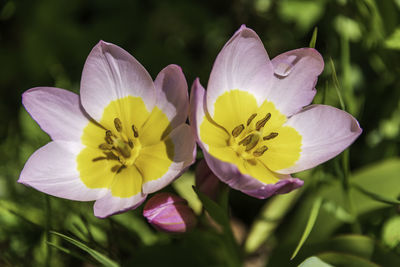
x: 45, y: 43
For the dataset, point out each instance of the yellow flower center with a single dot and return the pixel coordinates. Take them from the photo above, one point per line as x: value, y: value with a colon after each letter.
x: 251, y: 136
x: 128, y: 147
x: 119, y: 147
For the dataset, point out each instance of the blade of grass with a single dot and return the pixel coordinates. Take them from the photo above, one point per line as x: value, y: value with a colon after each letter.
x: 336, y: 84
x: 48, y: 227
x: 105, y: 261
x: 309, y: 226
x: 383, y: 199
x: 220, y: 215
x: 269, y: 219
x: 66, y: 251
x: 313, y: 40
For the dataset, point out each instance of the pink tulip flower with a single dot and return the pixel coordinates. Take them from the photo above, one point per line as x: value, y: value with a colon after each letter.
x: 169, y: 213
x: 124, y: 137
x: 254, y: 124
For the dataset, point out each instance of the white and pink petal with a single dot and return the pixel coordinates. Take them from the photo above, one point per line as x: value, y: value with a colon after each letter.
x: 52, y: 169
x: 57, y: 111
x: 197, y: 111
x: 110, y: 205
x: 326, y: 131
x: 111, y: 73
x: 172, y: 94
x: 295, y: 76
x: 183, y: 156
x: 243, y: 64
x: 230, y: 174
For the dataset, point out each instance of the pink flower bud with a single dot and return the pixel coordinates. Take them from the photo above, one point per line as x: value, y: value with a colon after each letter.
x: 206, y: 181
x: 169, y: 213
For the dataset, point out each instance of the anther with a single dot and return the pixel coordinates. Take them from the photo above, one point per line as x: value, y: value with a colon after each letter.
x: 105, y: 146
x: 108, y: 137
x: 116, y: 168
x: 260, y: 151
x: 245, y: 141
x: 253, y: 142
x: 118, y: 124
x: 261, y: 123
x: 130, y: 143
x: 98, y: 158
x: 135, y: 131
x: 250, y: 119
x: 237, y: 130
x: 270, y: 136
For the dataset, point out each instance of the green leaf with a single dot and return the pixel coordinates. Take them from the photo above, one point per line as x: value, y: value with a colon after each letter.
x: 357, y: 245
x: 136, y: 225
x: 313, y: 40
x: 310, y: 224
x: 220, y: 215
x: 66, y: 251
x: 377, y: 197
x: 105, y: 261
x: 393, y: 42
x: 314, y: 262
x: 303, y: 12
x: 183, y: 187
x: 391, y: 232
x: 343, y: 259
x: 348, y: 28
x: 337, y: 84
x: 215, y: 211
x: 269, y: 219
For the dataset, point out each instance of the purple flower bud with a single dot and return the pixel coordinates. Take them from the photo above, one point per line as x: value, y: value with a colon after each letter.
x: 169, y: 213
x: 206, y: 181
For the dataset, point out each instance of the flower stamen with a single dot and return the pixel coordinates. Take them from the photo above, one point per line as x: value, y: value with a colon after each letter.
x: 105, y: 146
x: 238, y: 130
x: 249, y: 120
x: 245, y: 141
x: 260, y: 151
x: 118, y: 124
x: 261, y: 123
x: 253, y: 142
x: 135, y: 131
x: 270, y: 136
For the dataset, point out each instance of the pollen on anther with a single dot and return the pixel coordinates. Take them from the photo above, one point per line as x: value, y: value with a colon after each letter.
x: 253, y: 142
x: 261, y: 123
x: 108, y: 137
x: 135, y: 131
x: 250, y: 119
x: 115, y: 168
x: 260, y: 151
x: 105, y: 146
x: 238, y: 130
x: 118, y: 124
x: 245, y: 141
x: 130, y: 143
x: 270, y: 136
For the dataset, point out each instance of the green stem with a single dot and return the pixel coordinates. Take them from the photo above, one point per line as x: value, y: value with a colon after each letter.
x: 356, y: 227
x: 48, y: 229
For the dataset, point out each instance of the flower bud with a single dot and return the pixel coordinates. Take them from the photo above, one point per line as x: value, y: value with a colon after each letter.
x: 169, y: 213
x: 206, y: 181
